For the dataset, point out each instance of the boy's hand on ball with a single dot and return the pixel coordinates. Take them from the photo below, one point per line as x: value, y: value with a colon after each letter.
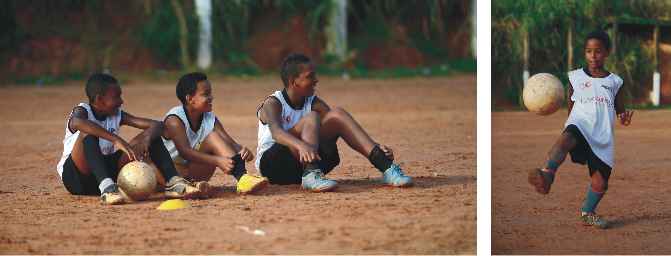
x: 141, y: 149
x: 387, y: 151
x: 246, y: 154
x: 126, y: 148
x: 625, y: 117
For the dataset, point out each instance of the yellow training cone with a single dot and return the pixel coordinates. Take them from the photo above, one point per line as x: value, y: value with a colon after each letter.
x: 173, y: 204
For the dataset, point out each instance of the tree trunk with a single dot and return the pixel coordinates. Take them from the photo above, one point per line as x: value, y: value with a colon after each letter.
x: 569, y: 45
x: 183, y: 34
x: 204, y: 13
x: 336, y: 30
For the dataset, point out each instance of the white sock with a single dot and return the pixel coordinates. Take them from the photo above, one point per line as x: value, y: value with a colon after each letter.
x: 104, y: 184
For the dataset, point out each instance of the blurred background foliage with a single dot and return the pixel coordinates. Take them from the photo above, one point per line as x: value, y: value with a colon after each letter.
x: 50, y: 41
x: 547, y: 24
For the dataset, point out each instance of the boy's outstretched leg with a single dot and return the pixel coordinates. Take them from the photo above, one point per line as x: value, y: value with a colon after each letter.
x: 595, y: 192
x: 339, y: 123
x: 543, y: 178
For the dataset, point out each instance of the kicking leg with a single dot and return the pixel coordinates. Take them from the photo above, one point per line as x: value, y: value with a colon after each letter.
x: 542, y: 179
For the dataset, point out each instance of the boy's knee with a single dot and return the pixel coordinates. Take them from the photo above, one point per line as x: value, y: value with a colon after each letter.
x: 338, y: 112
x: 567, y: 141
x: 599, y: 186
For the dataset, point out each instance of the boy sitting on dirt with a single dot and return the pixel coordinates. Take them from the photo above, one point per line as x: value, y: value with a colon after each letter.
x: 588, y: 134
x: 93, y: 152
x: 298, y: 133
x: 197, y: 141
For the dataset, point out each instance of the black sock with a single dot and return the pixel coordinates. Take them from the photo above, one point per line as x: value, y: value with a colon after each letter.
x: 310, y: 166
x: 238, y: 167
x: 379, y: 159
x: 161, y: 158
x: 95, y: 159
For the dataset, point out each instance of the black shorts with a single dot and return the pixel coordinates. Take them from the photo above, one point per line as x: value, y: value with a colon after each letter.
x: 582, y: 154
x: 79, y: 184
x: 280, y: 167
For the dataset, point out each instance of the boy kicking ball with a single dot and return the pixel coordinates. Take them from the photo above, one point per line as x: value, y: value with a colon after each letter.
x: 588, y: 133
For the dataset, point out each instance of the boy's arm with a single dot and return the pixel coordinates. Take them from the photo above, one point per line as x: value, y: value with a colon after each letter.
x: 244, y: 152
x: 569, y: 101
x: 152, y: 129
x: 270, y: 114
x: 319, y: 106
x: 79, y: 122
x: 176, y: 131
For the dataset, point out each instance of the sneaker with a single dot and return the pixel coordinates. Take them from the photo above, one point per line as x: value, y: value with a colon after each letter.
x: 314, y: 181
x: 394, y: 176
x: 249, y: 183
x: 591, y: 219
x: 112, y: 196
x: 179, y: 187
x: 541, y: 180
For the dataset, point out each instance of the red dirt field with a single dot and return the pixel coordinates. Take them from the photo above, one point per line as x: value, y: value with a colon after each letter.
x: 636, y: 204
x: 430, y: 123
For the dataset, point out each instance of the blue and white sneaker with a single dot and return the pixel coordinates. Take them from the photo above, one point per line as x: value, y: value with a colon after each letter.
x: 394, y: 176
x: 314, y: 181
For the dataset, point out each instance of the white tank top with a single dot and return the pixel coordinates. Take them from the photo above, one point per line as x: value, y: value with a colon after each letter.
x: 594, y: 111
x: 194, y: 137
x: 111, y: 124
x: 289, y: 117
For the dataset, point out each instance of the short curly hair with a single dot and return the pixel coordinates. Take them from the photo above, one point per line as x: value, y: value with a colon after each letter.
x: 97, y: 84
x: 601, y: 36
x: 188, y: 84
x: 291, y: 66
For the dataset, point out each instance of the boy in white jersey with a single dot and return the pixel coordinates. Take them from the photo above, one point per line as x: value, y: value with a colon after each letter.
x: 90, y: 164
x: 588, y: 134
x: 197, y: 141
x: 298, y: 133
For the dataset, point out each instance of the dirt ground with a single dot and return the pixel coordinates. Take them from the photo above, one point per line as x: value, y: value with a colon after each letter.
x: 524, y: 222
x: 429, y: 122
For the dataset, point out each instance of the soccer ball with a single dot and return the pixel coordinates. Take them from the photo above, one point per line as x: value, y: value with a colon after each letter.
x: 543, y: 94
x: 137, y: 180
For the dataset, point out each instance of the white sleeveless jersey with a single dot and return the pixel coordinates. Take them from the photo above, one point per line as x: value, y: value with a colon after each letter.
x: 111, y: 124
x: 594, y: 111
x: 194, y: 137
x: 289, y: 117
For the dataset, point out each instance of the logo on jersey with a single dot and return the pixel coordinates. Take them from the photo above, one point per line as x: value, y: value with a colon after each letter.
x: 586, y: 85
x: 111, y: 129
x: 611, y: 89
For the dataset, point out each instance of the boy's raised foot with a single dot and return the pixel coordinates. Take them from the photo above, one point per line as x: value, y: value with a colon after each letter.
x: 313, y: 180
x: 395, y: 177
x: 249, y: 183
x: 541, y: 180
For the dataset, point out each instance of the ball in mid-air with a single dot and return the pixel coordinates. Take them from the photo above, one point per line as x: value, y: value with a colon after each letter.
x: 543, y: 94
